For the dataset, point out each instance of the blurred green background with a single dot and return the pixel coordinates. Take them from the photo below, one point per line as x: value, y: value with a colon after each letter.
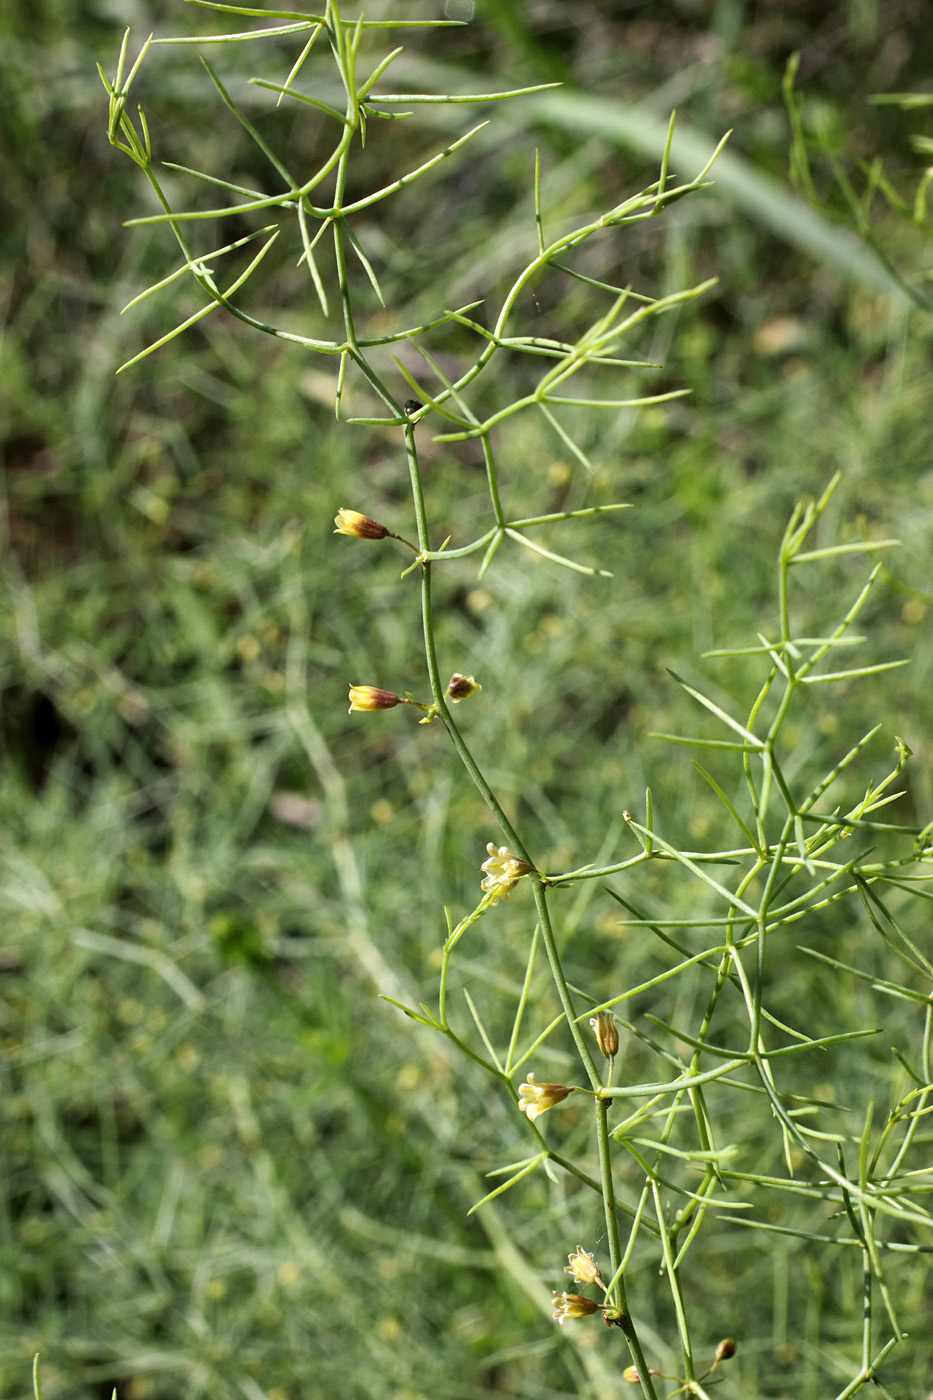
x: 229, y: 1169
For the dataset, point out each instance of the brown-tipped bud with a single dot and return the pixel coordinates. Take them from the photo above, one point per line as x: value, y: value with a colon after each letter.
x: 572, y: 1305
x: 462, y: 687
x: 536, y: 1099
x: 726, y: 1350
x: 370, y: 697
x: 361, y: 527
x: 607, y: 1033
x: 631, y: 1375
x: 583, y: 1267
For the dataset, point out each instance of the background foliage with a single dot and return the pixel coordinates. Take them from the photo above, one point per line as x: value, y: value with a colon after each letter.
x: 229, y: 1169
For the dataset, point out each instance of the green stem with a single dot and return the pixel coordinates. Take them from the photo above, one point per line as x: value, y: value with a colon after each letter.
x: 340, y: 257
x: 438, y: 689
x: 624, y: 1321
x: 493, y: 481
x: 540, y: 891
x: 602, y: 1137
x: 563, y: 990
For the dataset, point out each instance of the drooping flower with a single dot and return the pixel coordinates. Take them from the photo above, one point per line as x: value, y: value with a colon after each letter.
x: 538, y: 1098
x: 583, y: 1267
x: 572, y: 1305
x: 462, y: 687
x: 362, y: 527
x: 370, y: 697
x: 503, y: 871
x: 607, y: 1033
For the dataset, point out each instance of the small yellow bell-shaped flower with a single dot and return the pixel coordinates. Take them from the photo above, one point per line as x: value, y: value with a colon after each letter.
x: 536, y: 1099
x: 370, y: 697
x: 361, y: 527
x: 572, y: 1305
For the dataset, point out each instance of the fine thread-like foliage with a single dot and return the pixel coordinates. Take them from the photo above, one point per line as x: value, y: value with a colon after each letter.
x: 729, y: 1106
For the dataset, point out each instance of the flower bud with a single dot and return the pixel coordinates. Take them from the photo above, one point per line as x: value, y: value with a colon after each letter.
x: 726, y: 1350
x: 607, y: 1033
x: 572, y: 1305
x: 370, y: 697
x: 362, y: 527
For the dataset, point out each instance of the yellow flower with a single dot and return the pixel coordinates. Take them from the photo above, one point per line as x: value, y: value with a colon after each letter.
x: 370, y: 697
x: 462, y: 687
x: 538, y: 1098
x: 503, y: 871
x: 572, y: 1305
x: 362, y: 527
x: 583, y: 1267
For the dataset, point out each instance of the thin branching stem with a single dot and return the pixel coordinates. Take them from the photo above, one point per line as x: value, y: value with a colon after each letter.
x: 803, y: 848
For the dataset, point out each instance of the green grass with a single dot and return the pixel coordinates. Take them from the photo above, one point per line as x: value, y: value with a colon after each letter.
x: 230, y: 1169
